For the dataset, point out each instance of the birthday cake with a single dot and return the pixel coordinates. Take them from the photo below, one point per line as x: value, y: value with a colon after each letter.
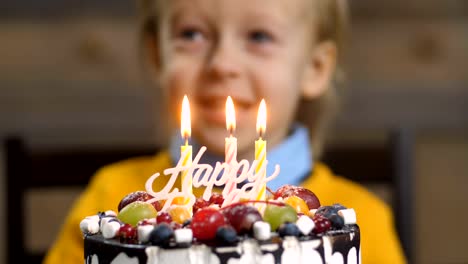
x: 241, y: 224
x: 289, y: 226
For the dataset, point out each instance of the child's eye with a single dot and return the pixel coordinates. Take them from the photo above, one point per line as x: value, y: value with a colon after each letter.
x: 260, y: 36
x: 190, y: 34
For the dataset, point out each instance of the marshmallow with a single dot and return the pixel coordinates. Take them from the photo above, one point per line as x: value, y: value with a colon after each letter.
x: 89, y: 225
x: 110, y: 213
x: 348, y: 215
x: 183, y: 235
x: 305, y: 224
x: 110, y: 229
x: 105, y: 220
x: 144, y: 232
x: 262, y: 230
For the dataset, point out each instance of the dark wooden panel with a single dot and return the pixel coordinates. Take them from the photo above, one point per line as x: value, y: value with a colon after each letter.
x: 57, y: 9
x: 364, y: 9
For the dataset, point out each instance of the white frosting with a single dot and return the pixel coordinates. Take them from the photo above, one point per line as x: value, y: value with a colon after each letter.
x: 327, y: 249
x: 309, y: 252
x: 292, y: 250
x: 337, y: 258
x: 122, y: 258
x: 352, y: 255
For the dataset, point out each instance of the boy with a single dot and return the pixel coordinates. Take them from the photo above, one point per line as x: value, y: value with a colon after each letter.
x: 283, y: 51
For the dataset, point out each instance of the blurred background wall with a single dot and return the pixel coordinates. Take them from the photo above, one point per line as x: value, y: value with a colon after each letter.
x: 69, y: 75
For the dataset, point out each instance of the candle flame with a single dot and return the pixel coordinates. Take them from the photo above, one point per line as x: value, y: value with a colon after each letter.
x: 185, y: 127
x: 261, y: 118
x: 230, y: 115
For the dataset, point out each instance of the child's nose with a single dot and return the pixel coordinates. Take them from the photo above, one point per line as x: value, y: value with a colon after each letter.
x: 223, y: 60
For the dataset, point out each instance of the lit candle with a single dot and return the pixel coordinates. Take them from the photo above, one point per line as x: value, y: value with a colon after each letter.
x: 230, y: 146
x: 186, y: 150
x: 260, y: 148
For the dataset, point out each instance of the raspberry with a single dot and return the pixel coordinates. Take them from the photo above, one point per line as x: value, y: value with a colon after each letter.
x: 200, y: 204
x: 322, y: 224
x: 217, y: 198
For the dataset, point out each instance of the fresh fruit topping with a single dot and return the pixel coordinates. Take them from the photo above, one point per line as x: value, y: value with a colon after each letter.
x: 206, y: 222
x: 179, y: 214
x: 288, y: 229
x: 141, y: 196
x: 262, y: 230
x: 161, y: 235
x: 305, y: 224
x: 298, y: 204
x: 163, y: 217
x: 327, y: 211
x: 276, y: 215
x: 175, y: 225
x: 336, y: 221
x: 226, y: 235
x: 187, y: 223
x: 322, y: 224
x: 308, y: 196
x: 217, y: 198
x: 127, y: 231
x: 242, y: 217
x: 200, y: 204
x: 143, y: 222
x: 183, y: 236
x: 135, y: 212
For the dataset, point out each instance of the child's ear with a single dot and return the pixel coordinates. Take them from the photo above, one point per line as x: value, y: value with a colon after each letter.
x: 319, y: 71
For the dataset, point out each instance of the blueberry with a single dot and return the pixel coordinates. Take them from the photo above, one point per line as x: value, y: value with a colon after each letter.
x: 288, y: 229
x: 336, y: 221
x: 161, y: 235
x: 338, y: 206
x: 226, y: 235
x: 187, y: 222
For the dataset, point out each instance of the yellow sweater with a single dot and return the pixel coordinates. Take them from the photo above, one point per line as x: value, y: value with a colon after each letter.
x: 379, y: 242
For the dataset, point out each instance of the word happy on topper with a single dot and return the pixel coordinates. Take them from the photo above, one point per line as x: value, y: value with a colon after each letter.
x: 207, y: 176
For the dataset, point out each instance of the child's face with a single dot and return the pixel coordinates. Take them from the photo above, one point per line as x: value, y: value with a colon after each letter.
x: 248, y: 49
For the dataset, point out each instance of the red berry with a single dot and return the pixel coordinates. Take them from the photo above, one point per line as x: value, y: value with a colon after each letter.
x: 163, y: 217
x: 127, y: 231
x: 157, y: 205
x: 175, y: 225
x: 242, y: 217
x: 308, y: 196
x: 322, y: 224
x: 146, y: 222
x: 217, y: 198
x: 200, y: 204
x: 133, y: 197
x: 206, y: 222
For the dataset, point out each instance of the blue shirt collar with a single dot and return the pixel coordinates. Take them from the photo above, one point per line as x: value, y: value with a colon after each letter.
x: 294, y: 155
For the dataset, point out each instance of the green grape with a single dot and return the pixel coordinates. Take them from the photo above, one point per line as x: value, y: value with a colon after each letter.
x: 135, y: 212
x: 276, y: 215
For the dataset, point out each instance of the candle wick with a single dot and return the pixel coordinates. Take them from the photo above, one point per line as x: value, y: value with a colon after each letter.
x: 186, y: 141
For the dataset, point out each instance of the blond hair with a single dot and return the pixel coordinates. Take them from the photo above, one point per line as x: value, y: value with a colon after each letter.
x: 330, y: 24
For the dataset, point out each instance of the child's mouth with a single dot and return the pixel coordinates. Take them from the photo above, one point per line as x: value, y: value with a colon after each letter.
x: 213, y: 109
